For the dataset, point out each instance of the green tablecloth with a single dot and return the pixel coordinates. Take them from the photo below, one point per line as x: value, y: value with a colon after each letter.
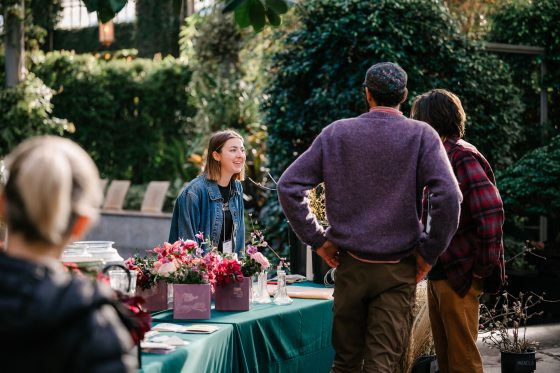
x: 271, y: 338
x: 204, y: 353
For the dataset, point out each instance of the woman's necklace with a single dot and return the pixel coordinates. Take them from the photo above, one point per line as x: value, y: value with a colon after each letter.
x: 225, y: 206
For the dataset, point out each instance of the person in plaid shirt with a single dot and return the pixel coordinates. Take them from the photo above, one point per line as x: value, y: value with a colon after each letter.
x: 474, y: 260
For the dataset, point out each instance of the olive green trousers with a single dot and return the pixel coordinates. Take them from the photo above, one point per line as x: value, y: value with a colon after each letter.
x: 372, y: 314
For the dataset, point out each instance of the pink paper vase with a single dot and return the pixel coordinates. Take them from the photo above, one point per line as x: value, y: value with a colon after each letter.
x: 155, y: 297
x: 191, y: 301
x: 234, y: 296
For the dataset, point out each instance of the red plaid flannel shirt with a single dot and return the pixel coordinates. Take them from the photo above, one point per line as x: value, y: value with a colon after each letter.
x: 477, y: 247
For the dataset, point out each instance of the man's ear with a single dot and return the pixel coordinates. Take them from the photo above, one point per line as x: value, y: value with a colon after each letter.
x: 371, y: 101
x: 404, y: 96
x: 80, y: 226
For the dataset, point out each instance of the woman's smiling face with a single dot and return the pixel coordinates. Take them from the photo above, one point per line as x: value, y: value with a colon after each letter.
x: 231, y: 156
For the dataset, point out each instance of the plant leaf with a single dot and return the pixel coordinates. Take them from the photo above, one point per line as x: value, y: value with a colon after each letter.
x: 105, y: 13
x: 91, y: 5
x: 232, y: 5
x: 279, y: 6
x: 117, y: 5
x: 273, y: 18
x: 257, y: 15
x: 242, y: 15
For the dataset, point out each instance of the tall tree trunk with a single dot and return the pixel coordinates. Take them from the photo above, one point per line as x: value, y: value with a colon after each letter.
x: 13, y: 18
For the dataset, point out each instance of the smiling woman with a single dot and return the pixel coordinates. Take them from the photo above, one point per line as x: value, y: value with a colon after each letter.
x: 213, y: 202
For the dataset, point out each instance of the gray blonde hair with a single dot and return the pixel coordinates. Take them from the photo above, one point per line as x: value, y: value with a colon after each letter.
x: 51, y: 181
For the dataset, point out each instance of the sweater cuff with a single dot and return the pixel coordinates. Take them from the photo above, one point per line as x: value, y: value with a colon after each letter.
x: 318, y: 242
x: 427, y: 251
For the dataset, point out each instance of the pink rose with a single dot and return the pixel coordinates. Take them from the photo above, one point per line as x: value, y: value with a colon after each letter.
x: 261, y: 259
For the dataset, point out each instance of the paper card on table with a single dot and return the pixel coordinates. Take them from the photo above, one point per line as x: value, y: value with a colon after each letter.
x: 176, y: 328
x: 305, y: 292
x: 170, y: 340
x: 156, y: 348
x: 201, y: 328
x: 150, y: 334
x: 168, y: 327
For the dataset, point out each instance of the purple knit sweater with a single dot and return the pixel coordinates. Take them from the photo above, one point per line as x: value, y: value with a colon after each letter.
x: 374, y: 168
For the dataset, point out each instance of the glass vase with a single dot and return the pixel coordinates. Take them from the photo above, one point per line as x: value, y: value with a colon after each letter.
x: 260, y: 295
x: 281, y: 297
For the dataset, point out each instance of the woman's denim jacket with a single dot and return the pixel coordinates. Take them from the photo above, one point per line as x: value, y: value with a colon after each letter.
x: 199, y: 209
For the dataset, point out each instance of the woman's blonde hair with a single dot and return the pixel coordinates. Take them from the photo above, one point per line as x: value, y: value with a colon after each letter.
x: 51, y: 181
x: 217, y: 141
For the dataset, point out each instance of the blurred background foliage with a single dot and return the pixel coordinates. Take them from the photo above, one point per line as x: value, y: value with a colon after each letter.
x: 144, y: 106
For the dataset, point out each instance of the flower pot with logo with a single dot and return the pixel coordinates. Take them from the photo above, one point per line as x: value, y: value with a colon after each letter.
x: 155, y: 297
x: 518, y: 362
x: 234, y: 296
x: 191, y: 301
x: 425, y: 364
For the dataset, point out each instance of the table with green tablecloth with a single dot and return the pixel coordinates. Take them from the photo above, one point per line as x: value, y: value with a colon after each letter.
x: 267, y: 338
x: 204, y: 353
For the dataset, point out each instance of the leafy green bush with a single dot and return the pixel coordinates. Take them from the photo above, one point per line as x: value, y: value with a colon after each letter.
x: 27, y: 111
x: 317, y: 76
x: 532, y: 184
x: 133, y: 117
x: 532, y: 23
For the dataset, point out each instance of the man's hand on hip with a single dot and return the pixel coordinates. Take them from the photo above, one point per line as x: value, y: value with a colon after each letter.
x: 329, y: 252
x: 422, y: 268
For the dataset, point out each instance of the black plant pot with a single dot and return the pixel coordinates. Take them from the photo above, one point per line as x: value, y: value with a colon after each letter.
x: 518, y: 362
x: 425, y: 364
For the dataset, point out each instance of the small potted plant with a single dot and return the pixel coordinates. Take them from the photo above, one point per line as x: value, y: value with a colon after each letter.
x: 182, y: 265
x: 504, y: 327
x: 233, y: 289
x: 149, y: 284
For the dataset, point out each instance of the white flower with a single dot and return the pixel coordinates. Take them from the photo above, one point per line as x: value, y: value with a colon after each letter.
x: 167, y: 268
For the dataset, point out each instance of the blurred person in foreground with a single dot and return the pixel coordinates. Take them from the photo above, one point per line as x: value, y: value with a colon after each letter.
x: 374, y: 168
x: 52, y: 321
x: 474, y: 261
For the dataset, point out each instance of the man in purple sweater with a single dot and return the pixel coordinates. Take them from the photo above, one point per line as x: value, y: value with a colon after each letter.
x: 374, y: 168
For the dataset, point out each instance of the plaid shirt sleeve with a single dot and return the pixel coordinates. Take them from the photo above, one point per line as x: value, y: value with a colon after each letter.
x: 485, y: 207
